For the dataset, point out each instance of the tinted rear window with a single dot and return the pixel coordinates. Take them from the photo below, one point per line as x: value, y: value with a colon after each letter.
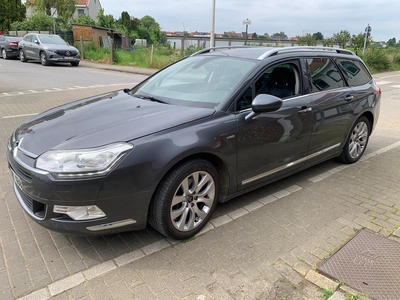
x: 356, y: 72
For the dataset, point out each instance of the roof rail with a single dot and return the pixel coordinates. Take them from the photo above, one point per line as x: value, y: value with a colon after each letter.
x: 275, y: 51
x: 207, y: 50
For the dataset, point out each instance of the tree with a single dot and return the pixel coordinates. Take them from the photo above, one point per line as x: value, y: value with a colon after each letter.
x: 84, y: 20
x: 255, y: 35
x: 150, y: 30
x: 10, y: 11
x: 318, y: 36
x: 106, y: 21
x: 306, y: 40
x: 280, y: 36
x: 65, y: 8
x: 391, y: 42
x: 128, y: 25
x: 357, y: 42
x: 328, y: 42
x: 342, y: 38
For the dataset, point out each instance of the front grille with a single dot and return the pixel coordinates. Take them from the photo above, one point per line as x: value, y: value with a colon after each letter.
x: 66, y: 53
x: 26, y: 175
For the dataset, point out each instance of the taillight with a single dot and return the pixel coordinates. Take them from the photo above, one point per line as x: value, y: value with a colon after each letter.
x: 376, y: 88
x: 12, y: 44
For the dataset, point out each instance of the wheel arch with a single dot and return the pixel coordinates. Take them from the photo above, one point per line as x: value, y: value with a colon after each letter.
x: 217, y: 162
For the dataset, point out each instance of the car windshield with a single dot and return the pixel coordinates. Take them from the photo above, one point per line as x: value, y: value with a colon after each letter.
x: 199, y: 81
x: 52, y: 39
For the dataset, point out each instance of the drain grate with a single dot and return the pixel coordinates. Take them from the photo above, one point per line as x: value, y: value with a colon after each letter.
x: 368, y: 263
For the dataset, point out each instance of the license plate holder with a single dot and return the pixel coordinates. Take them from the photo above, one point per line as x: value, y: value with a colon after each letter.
x: 17, y: 179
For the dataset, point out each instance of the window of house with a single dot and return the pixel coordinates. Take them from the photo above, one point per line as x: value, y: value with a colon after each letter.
x: 81, y: 12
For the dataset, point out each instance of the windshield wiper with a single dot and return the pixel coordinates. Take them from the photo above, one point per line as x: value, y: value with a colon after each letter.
x: 151, y: 98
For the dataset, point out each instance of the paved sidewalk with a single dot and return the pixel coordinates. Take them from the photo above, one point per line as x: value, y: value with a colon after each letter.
x: 263, y: 245
x: 127, y: 69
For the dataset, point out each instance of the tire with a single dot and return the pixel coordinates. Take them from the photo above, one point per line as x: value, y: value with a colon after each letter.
x: 22, y: 56
x: 357, y: 141
x: 43, y: 59
x: 181, y: 208
x: 75, y: 63
x: 4, y: 53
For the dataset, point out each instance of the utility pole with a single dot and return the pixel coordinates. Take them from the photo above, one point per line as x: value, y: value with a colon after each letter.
x: 212, y: 41
x: 246, y: 22
x: 366, y: 35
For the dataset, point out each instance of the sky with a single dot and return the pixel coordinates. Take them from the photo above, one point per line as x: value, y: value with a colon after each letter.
x: 294, y: 17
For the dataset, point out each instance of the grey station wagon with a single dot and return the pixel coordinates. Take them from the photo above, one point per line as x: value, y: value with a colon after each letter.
x: 204, y: 130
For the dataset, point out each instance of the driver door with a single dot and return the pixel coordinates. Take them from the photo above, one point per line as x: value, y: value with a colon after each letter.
x: 274, y: 143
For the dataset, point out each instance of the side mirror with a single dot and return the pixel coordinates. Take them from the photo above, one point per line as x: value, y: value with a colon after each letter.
x: 264, y: 103
x: 36, y: 42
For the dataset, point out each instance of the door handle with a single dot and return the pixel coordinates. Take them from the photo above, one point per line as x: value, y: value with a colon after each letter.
x: 349, y: 97
x: 304, y: 110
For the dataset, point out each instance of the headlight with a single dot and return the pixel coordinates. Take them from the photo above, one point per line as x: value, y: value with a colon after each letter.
x: 82, y: 162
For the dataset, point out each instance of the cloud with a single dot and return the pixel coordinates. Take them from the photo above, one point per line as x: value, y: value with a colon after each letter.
x: 291, y: 16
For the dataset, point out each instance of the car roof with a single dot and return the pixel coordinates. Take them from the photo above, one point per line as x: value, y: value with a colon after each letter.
x: 260, y: 53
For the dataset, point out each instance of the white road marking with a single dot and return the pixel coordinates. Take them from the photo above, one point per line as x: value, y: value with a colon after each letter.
x: 18, y: 116
x: 129, y: 84
x: 383, y: 82
x: 395, y: 86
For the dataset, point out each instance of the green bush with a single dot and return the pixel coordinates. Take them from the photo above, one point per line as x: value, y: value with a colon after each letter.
x: 377, y: 59
x: 141, y: 57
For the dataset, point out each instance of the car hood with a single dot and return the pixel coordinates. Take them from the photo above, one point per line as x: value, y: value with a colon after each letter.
x: 59, y: 47
x: 101, y: 120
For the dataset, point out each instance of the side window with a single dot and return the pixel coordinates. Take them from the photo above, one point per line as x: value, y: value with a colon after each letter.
x: 357, y: 73
x: 324, y: 74
x: 28, y: 38
x: 281, y: 80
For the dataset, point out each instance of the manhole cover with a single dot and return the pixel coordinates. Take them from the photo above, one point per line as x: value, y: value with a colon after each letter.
x: 368, y: 263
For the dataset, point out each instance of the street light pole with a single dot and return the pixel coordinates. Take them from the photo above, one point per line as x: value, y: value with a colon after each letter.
x: 212, y: 42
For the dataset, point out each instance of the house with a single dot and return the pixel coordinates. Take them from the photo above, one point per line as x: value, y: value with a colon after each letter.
x: 87, y: 7
x: 83, y: 7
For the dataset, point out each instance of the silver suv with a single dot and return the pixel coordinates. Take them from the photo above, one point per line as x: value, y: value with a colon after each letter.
x: 48, y: 48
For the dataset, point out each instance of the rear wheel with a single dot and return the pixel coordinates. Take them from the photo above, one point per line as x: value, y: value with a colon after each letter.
x: 4, y: 53
x: 357, y: 142
x: 22, y: 56
x: 43, y: 59
x: 185, y: 200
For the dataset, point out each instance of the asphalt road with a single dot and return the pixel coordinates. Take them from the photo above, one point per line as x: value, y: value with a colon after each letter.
x: 259, y: 246
x: 18, y: 77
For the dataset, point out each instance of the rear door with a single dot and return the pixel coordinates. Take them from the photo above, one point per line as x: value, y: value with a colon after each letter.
x: 333, y: 107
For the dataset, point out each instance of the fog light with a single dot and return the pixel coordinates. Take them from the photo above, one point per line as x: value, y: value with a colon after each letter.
x: 80, y: 212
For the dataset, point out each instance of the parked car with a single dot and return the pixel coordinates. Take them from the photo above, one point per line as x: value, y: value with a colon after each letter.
x: 206, y: 129
x: 9, y: 46
x: 48, y: 48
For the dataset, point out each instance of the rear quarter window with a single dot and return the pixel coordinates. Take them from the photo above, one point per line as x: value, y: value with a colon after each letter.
x: 357, y: 73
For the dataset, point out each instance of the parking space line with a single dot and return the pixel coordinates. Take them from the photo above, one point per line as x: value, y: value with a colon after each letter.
x: 18, y: 116
x: 98, y: 270
x: 8, y: 94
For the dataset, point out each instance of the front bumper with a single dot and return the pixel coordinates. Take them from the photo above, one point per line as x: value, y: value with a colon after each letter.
x: 54, y: 57
x: 38, y: 192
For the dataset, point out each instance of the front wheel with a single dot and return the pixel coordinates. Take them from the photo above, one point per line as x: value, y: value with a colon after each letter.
x: 185, y: 200
x: 43, y: 59
x: 75, y: 63
x: 357, y: 142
